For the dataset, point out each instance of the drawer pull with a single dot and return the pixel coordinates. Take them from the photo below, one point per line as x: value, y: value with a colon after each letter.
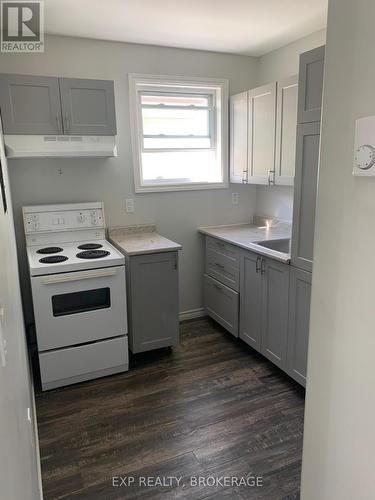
x: 220, y: 266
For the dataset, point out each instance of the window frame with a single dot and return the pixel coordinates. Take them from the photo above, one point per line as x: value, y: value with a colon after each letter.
x: 139, y: 83
x: 211, y: 123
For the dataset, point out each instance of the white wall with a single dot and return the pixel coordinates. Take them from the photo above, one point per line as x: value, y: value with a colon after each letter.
x: 284, y: 62
x: 177, y: 214
x: 19, y: 457
x: 281, y: 63
x: 339, y: 459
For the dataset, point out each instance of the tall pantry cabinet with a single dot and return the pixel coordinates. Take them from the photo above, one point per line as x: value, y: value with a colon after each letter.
x: 305, y: 186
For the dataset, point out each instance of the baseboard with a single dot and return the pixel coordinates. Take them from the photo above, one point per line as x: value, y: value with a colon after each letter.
x: 192, y: 314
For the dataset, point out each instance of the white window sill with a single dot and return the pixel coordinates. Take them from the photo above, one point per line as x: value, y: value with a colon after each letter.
x: 180, y: 187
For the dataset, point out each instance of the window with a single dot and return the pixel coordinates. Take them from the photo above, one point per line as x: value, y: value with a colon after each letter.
x: 179, y: 133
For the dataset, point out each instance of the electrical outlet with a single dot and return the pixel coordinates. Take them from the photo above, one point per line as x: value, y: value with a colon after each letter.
x: 129, y: 205
x: 234, y: 198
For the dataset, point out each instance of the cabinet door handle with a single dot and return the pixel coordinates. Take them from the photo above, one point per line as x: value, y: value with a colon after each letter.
x: 263, y: 266
x: 220, y: 266
x: 67, y: 123
x: 271, y: 181
x: 244, y: 177
x: 218, y: 287
x: 257, y: 266
x: 59, y: 126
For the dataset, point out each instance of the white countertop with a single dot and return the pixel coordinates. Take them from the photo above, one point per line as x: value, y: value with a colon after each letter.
x: 138, y: 240
x: 246, y: 236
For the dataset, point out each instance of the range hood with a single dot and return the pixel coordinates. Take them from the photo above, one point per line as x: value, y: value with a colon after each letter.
x: 60, y: 146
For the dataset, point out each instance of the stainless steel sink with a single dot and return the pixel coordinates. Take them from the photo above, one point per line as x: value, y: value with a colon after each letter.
x: 280, y: 245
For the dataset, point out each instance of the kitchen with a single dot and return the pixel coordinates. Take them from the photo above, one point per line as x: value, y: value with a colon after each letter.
x: 160, y: 194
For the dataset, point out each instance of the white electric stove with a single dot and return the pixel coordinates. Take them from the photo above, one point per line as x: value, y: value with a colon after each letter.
x: 72, y: 256
x: 79, y: 293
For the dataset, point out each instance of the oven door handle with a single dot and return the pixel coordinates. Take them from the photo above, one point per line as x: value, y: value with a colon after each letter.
x: 78, y: 276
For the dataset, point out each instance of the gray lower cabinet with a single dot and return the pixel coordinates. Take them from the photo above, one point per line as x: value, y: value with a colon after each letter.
x: 275, y: 288
x: 152, y: 295
x: 269, y: 310
x: 264, y: 306
x: 221, y: 303
x: 251, y: 300
x: 299, y: 317
x: 222, y: 268
x: 30, y: 104
x: 88, y: 106
x: 41, y: 105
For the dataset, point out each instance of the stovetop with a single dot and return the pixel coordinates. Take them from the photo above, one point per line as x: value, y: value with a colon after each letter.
x: 72, y: 256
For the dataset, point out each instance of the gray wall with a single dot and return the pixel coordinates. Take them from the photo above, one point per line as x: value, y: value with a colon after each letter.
x: 284, y: 62
x: 339, y: 437
x: 177, y: 214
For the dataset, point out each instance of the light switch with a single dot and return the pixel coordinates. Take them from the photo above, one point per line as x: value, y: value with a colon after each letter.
x: 129, y: 205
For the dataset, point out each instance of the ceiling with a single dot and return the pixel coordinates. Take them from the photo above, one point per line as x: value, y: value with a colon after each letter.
x: 248, y: 27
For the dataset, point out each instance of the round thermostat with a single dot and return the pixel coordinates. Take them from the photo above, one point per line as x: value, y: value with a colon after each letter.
x: 364, y: 157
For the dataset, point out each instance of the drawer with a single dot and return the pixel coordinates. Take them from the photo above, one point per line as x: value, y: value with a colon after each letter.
x: 222, y: 268
x: 225, y: 249
x: 85, y: 362
x: 221, y: 303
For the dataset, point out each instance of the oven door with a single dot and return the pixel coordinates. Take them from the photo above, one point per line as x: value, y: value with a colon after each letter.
x: 78, y: 307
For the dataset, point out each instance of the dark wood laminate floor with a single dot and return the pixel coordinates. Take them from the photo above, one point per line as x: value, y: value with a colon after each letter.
x: 211, y: 407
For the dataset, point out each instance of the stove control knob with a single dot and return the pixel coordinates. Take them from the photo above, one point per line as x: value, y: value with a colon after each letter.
x: 81, y: 218
x: 94, y: 221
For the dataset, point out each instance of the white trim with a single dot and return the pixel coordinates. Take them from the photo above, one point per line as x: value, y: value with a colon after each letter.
x: 179, y: 187
x: 164, y: 81
x: 192, y: 314
x: 35, y: 432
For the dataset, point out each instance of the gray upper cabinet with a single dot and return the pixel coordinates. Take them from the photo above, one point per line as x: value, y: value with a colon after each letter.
x: 286, y: 125
x: 251, y: 300
x: 305, y: 186
x: 311, y: 72
x: 47, y: 105
x: 152, y: 301
x: 30, y: 104
x: 261, y: 133
x: 275, y: 289
x: 299, y: 318
x: 88, y: 106
x: 238, y: 138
